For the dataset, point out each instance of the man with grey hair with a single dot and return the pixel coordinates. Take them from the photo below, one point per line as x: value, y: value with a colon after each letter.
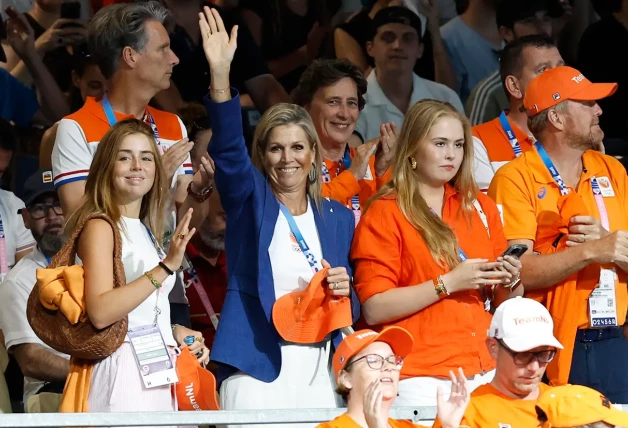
x: 131, y: 45
x: 567, y: 204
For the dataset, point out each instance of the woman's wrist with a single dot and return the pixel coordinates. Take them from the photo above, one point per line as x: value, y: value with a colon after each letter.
x: 449, y: 282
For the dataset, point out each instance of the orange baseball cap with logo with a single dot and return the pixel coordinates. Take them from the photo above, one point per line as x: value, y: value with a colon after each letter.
x: 308, y: 316
x: 560, y: 84
x: 574, y: 405
x: 196, y: 389
x: 399, y: 339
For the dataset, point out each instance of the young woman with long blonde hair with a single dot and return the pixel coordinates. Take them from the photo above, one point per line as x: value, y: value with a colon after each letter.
x: 427, y: 254
x: 128, y: 184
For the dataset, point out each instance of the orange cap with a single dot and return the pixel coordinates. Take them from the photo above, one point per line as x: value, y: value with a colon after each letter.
x: 196, y: 389
x: 574, y: 405
x: 399, y: 339
x: 562, y: 83
x: 308, y: 316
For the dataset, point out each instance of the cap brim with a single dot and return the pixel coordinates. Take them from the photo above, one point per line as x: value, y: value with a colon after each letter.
x: 524, y: 344
x: 208, y: 390
x: 617, y: 418
x: 399, y: 339
x: 595, y: 91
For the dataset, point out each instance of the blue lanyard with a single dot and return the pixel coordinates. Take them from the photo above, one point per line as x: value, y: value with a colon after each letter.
x: 564, y: 190
x: 346, y: 164
x: 160, y: 251
x: 111, y: 116
x: 300, y: 240
x: 461, y: 255
x: 514, y: 143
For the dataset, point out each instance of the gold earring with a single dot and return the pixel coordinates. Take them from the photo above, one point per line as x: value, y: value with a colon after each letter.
x: 413, y: 163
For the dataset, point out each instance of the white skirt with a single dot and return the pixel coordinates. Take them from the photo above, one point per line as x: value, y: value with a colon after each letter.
x: 117, y: 387
x: 304, y: 382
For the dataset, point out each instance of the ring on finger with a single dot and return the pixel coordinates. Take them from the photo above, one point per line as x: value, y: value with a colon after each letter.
x: 181, y: 236
x: 334, y: 286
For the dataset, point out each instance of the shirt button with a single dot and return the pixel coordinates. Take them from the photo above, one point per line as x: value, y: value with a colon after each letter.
x: 473, y: 334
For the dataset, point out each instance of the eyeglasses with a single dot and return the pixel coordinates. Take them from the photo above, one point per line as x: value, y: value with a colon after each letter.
x: 39, y: 211
x: 525, y: 358
x: 376, y: 362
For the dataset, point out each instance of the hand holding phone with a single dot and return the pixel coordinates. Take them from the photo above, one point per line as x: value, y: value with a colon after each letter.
x: 515, y: 251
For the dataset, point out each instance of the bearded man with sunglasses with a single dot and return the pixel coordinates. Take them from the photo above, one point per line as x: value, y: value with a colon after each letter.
x: 521, y: 340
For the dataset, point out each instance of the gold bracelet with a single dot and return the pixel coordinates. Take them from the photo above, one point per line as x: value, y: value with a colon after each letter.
x: 218, y: 91
x: 153, y: 281
x: 440, y: 288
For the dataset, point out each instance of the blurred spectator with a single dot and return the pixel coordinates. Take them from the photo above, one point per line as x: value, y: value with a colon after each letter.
x: 20, y: 6
x: 196, y: 121
x: 503, y: 139
x: 290, y: 33
x: 473, y: 43
x: 52, y: 36
x: 521, y: 341
x: 249, y: 73
x: 19, y: 103
x: 393, y: 87
x: 598, y: 59
x: 18, y: 241
x: 567, y: 203
x: 366, y: 366
x: 45, y: 370
x: 332, y: 91
x: 515, y: 19
x: 427, y: 255
x: 87, y: 81
x: 351, y: 38
x: 274, y: 206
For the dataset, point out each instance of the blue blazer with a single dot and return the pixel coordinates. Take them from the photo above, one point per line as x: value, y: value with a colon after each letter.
x: 246, y: 339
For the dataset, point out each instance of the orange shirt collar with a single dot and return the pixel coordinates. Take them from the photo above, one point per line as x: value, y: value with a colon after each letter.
x: 521, y: 136
x: 542, y: 175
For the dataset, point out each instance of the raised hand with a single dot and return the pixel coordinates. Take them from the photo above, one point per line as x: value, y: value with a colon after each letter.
x: 386, y: 151
x: 174, y: 157
x: 219, y: 47
x: 179, y: 241
x: 362, y: 157
x: 451, y: 412
x: 20, y: 34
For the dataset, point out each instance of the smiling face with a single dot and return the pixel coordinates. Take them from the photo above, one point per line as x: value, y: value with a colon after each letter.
x: 334, y: 111
x: 288, y: 158
x: 441, y: 152
x: 134, y: 168
x: 359, y: 374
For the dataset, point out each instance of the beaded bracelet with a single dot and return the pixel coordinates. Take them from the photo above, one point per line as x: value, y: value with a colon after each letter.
x: 152, y: 279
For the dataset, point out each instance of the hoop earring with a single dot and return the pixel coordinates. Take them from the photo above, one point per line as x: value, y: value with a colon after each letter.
x: 313, y: 174
x: 413, y: 163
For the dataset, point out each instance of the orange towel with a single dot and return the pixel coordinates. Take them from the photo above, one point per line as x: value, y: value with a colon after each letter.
x: 63, y: 289
x: 76, y: 391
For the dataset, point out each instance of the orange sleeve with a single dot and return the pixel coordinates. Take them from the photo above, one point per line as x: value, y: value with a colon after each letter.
x: 495, y: 224
x: 385, y: 178
x: 376, y: 251
x: 508, y: 189
x: 342, y: 187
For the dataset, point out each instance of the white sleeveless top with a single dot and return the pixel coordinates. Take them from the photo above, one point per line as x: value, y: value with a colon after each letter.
x: 139, y: 255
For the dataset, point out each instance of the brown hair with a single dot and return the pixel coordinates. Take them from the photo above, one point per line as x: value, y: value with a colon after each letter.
x: 438, y: 236
x: 326, y: 72
x: 100, y: 195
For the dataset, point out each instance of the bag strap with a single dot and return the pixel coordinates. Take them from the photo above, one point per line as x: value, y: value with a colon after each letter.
x: 67, y: 254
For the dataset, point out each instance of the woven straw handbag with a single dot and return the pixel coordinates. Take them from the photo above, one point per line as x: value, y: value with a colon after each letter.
x: 82, y: 339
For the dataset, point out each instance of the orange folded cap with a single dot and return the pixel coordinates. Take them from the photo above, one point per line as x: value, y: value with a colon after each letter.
x: 569, y: 206
x: 196, y: 389
x: 399, y: 339
x: 574, y: 405
x: 308, y: 316
x: 560, y: 84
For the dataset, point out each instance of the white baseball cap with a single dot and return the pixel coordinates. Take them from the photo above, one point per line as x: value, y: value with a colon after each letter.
x: 523, y: 324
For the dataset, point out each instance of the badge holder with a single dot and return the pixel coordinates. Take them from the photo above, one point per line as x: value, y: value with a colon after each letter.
x: 602, y: 301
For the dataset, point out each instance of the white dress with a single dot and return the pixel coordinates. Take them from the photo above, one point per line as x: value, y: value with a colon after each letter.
x: 304, y: 381
x: 116, y: 382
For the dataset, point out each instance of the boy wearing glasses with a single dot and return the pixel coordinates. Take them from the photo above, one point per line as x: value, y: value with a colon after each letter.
x: 521, y: 340
x: 44, y: 369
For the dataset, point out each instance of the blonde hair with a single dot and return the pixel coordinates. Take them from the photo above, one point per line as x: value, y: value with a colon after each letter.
x: 288, y: 114
x: 100, y: 195
x: 438, y: 236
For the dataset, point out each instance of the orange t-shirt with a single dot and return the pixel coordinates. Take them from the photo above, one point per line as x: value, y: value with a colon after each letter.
x: 345, y: 421
x: 343, y: 185
x: 389, y: 252
x: 493, y: 149
x: 529, y: 198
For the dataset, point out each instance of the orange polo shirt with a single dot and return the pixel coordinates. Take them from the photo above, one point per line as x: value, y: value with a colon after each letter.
x: 345, y: 421
x: 529, y: 195
x: 493, y: 150
x: 389, y: 252
x: 343, y: 186
x: 489, y: 408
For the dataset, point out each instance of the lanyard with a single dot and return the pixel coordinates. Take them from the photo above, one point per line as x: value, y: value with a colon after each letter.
x: 160, y: 251
x: 346, y: 163
x: 195, y: 280
x: 564, y: 190
x: 111, y: 116
x: 300, y: 240
x: 4, y: 261
x: 512, y: 138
